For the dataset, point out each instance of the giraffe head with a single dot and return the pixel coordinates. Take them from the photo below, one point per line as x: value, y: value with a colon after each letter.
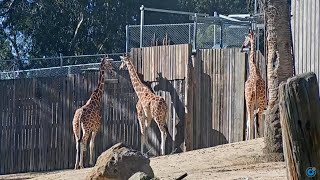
x: 106, y: 64
x: 125, y: 60
x: 248, y: 40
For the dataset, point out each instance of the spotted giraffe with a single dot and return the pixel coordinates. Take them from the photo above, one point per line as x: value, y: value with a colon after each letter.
x: 89, y: 118
x: 149, y: 106
x: 255, y: 90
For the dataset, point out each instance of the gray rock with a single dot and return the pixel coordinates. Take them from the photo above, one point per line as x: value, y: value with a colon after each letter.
x: 140, y: 176
x: 119, y: 163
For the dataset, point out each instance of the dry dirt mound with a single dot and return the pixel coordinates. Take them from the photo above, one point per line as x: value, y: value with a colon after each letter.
x: 242, y: 160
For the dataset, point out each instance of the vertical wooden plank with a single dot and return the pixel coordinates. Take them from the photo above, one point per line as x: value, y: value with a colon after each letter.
x: 63, y: 111
x: 317, y: 42
x: 214, y: 97
x: 66, y: 103
x: 38, y: 126
x: 225, y: 95
x: 2, y: 91
x: 198, y: 96
x: 239, y: 112
x: 210, y: 102
x: 32, y: 128
x: 233, y: 97
x: 305, y: 42
x: 185, y: 51
x: 229, y: 111
x: 216, y: 93
x: 145, y: 63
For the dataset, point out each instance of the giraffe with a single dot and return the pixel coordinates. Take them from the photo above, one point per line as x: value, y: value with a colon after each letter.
x: 255, y: 89
x: 149, y: 105
x: 87, y: 119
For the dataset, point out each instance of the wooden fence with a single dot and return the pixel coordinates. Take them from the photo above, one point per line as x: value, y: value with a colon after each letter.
x: 36, y: 120
x: 305, y: 25
x: 219, y: 112
x: 36, y: 113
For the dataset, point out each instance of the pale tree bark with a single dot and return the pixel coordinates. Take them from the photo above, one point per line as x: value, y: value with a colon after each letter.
x: 279, y: 69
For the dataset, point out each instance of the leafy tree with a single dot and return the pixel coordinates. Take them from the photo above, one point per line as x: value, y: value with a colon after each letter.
x: 220, y: 6
x: 47, y: 28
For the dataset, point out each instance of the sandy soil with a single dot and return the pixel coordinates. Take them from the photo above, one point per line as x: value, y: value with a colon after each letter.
x: 242, y: 160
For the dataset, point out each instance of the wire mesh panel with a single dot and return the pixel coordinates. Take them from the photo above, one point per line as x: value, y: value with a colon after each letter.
x: 233, y: 35
x: 208, y: 35
x: 177, y: 33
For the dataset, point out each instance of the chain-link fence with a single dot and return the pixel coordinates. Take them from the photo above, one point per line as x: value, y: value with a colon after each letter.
x: 57, y: 66
x: 208, y: 35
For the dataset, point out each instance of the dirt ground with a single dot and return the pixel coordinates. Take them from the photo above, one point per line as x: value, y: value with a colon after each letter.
x: 242, y: 160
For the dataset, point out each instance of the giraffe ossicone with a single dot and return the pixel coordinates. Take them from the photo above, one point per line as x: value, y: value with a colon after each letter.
x: 87, y: 119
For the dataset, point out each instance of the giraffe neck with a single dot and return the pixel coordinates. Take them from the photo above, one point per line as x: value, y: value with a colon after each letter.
x: 254, y: 69
x: 138, y: 86
x: 96, y: 96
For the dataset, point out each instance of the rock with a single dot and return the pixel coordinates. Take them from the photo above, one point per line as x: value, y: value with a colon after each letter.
x: 119, y: 163
x: 141, y: 176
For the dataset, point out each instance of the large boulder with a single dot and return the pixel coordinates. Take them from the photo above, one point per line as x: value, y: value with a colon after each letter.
x: 119, y: 163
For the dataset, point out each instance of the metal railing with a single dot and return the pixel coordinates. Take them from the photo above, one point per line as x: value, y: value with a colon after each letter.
x: 53, y: 66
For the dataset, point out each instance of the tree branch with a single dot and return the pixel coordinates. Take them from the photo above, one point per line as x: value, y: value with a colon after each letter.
x: 76, y: 31
x: 8, y: 8
x: 101, y: 44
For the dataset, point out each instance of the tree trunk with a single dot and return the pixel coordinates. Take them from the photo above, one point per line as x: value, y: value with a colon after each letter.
x: 279, y: 68
x: 299, y: 114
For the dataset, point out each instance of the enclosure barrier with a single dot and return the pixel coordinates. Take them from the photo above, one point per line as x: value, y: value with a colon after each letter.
x: 204, y: 94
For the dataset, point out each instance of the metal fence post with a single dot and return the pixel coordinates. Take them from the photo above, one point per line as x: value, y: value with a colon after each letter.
x: 141, y: 25
x: 221, y: 35
x: 127, y: 38
x: 194, y: 44
x: 215, y: 14
x: 61, y: 60
x: 189, y: 34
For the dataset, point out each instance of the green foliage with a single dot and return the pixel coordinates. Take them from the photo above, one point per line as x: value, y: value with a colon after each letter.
x: 207, y: 36
x: 37, y: 28
x: 220, y: 6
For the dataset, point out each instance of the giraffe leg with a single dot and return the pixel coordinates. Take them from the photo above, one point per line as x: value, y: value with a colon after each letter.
x: 163, y: 133
x: 250, y: 112
x: 83, y: 146
x: 161, y: 124
x: 141, y: 119
x: 255, y: 123
x: 92, y: 146
x: 75, y: 126
x: 260, y: 122
x: 76, y: 166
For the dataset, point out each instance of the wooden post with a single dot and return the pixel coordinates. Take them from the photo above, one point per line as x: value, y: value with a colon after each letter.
x: 300, y: 122
x: 189, y: 105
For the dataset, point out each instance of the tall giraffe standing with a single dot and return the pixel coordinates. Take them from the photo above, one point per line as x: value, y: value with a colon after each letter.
x: 149, y: 105
x: 255, y: 89
x: 89, y: 118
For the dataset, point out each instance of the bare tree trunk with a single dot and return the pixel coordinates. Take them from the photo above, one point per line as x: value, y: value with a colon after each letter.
x: 279, y: 69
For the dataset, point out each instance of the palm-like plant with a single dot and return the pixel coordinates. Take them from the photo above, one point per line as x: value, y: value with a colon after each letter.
x: 279, y: 68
